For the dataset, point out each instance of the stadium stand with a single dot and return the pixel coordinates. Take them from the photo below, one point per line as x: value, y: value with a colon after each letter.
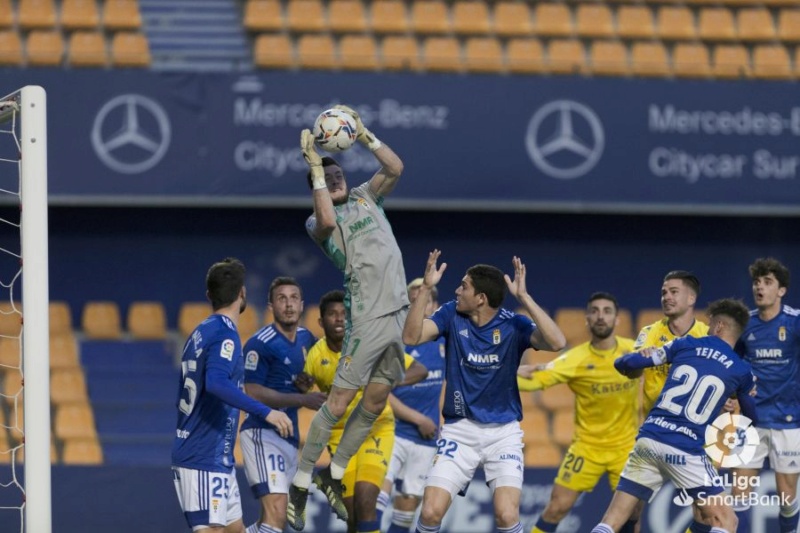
x: 63, y: 351
x: 147, y: 320
x: 101, y: 320
x: 121, y: 15
x: 79, y: 15
x: 190, y: 315
x: 10, y: 48
x: 60, y: 317
x: 33, y: 14
x: 87, y: 49
x: 10, y: 320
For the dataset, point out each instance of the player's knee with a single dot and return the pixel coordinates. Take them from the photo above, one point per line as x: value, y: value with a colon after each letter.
x: 430, y: 515
x: 506, y: 516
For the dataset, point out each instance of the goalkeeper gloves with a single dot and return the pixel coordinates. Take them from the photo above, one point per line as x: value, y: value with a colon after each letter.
x: 313, y: 159
x: 364, y: 136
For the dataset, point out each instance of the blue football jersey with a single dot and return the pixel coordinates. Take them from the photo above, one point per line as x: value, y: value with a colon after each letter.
x: 772, y: 348
x: 423, y: 396
x: 273, y: 361
x: 481, y: 364
x: 207, y: 426
x: 705, y: 372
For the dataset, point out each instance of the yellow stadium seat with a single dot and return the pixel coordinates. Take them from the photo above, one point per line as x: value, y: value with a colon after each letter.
x: 305, y: 16
x: 483, y: 54
x: 755, y: 24
x: 248, y: 324
x: 79, y: 15
x: 63, y: 351
x: 16, y: 422
x: 442, y: 54
x: 191, y: 314
x: 625, y: 326
x: 74, y: 420
x: 10, y: 319
x: 122, y: 15
x: 557, y: 397
x: 400, y: 53
x: 524, y: 56
x: 512, y: 19
x: 471, y: 17
x: 60, y: 317
x: 147, y: 320
x: 648, y: 316
x: 771, y: 62
x: 6, y: 17
x: 10, y: 48
x: 635, y: 22
x: 545, y: 455
x: 311, y: 320
x: 572, y: 322
x: 347, y: 16
x: 36, y: 14
x: 263, y: 15
x: 82, y: 451
x: 676, y: 23
x: 563, y: 426
x: 68, y: 386
x: 429, y: 17
x: 10, y: 354
x: 730, y: 61
x: 716, y: 24
x: 789, y: 25
x: 691, y: 60
x: 389, y: 16
x: 273, y: 51
x: 129, y: 49
x: 316, y: 52
x: 358, y: 52
x: 594, y: 20
x: 649, y: 59
x: 101, y: 320
x: 87, y: 49
x: 534, y: 425
x: 12, y: 386
x: 566, y: 56
x: 553, y: 19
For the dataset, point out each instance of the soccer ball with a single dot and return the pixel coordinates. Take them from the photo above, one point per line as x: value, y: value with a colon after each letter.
x: 334, y: 131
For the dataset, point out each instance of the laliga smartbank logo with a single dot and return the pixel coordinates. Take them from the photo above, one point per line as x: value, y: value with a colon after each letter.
x: 731, y: 440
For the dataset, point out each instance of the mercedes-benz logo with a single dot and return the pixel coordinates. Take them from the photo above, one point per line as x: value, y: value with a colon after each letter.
x: 131, y: 133
x: 565, y: 139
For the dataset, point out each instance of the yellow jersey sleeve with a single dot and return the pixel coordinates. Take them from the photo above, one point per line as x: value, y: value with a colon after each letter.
x: 559, y: 370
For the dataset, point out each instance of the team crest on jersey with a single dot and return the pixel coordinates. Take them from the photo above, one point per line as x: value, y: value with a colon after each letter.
x: 215, y: 504
x: 347, y: 361
x: 273, y: 478
x: 363, y: 203
x: 251, y: 360
x: 441, y: 350
x: 324, y: 362
x: 782, y: 333
x: 496, y: 336
x: 226, y: 352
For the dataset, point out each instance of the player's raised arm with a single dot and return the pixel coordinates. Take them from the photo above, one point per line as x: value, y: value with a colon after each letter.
x: 631, y: 364
x: 548, y: 335
x: 324, y: 221
x: 385, y: 179
x: 417, y: 328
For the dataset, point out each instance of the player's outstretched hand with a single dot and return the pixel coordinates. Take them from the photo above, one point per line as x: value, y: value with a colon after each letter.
x: 427, y: 428
x: 526, y: 371
x: 282, y: 423
x: 314, y: 400
x: 309, y: 152
x: 363, y: 135
x: 517, y: 287
x: 433, y: 274
x: 304, y: 382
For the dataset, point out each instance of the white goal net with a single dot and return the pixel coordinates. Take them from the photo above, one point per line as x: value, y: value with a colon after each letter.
x: 25, y: 492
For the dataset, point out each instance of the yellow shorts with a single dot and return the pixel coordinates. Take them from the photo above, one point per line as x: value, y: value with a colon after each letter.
x: 371, y: 462
x: 584, y: 465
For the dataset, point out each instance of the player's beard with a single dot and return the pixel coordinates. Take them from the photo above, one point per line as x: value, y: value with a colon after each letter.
x: 603, y: 331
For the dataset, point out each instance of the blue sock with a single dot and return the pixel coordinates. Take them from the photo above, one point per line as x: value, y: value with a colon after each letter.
x: 743, y: 514
x: 788, y: 524
x: 697, y: 527
x: 394, y: 528
x: 628, y: 527
x: 544, y: 526
x: 368, y: 526
x: 383, y: 501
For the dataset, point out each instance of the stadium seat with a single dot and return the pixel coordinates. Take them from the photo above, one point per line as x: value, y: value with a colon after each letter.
x: 389, y: 16
x: 79, y: 15
x: 347, y: 16
x: 248, y: 324
x: 60, y: 317
x: 6, y: 19
x: 10, y: 354
x: 33, y: 14
x: 552, y: 19
x: 311, y: 320
x: 10, y: 319
x: 269, y: 315
x: 471, y: 17
x: 716, y: 24
x: 535, y: 425
x: 10, y: 48
x: 316, y: 52
x: 358, y: 52
x: 263, y: 15
x: 524, y: 56
x: 68, y: 386
x: 82, y: 451
x: 16, y: 423
x: 648, y: 316
x: 789, y: 25
x: 545, y: 455
x: 74, y: 420
x: 771, y: 62
x: 594, y: 20
x: 625, y: 326
x: 608, y: 58
x: 121, y: 15
x: 147, y: 320
x: 129, y: 49
x: 20, y: 454
x: 649, y: 59
x: 190, y: 315
x: 400, y: 53
x: 572, y: 322
x: 755, y: 24
x: 429, y: 17
x: 483, y: 54
x: 87, y: 49
x: 675, y: 23
x: 305, y: 16
x: 512, y: 19
x: 273, y: 51
x: 566, y: 56
x: 101, y: 320
x: 730, y: 61
x: 635, y: 22
x: 691, y: 60
x: 441, y: 54
x: 557, y: 397
x: 63, y: 351
x: 563, y: 427
x: 12, y: 385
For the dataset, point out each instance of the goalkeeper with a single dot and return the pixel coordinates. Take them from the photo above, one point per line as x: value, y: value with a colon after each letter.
x: 350, y: 227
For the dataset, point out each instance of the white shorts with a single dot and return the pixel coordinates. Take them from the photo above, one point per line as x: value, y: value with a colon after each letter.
x: 270, y: 461
x: 409, y: 465
x: 207, y: 498
x: 783, y: 448
x: 465, y: 445
x: 651, y: 463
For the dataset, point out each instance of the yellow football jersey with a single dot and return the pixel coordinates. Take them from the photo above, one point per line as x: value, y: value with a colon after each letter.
x: 606, y: 402
x: 656, y: 335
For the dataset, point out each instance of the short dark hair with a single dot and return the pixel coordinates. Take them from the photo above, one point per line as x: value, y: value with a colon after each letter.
x: 732, y: 308
x: 224, y: 282
x: 280, y: 281
x: 488, y: 280
x: 330, y: 297
x: 326, y: 162
x: 769, y: 265
x: 600, y: 295
x: 687, y: 277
